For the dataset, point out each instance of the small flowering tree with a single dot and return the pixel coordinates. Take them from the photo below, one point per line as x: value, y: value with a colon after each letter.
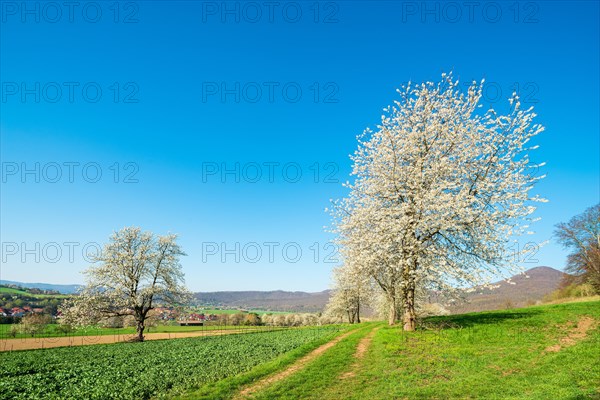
x: 351, y: 293
x: 136, y: 270
x: 441, y: 189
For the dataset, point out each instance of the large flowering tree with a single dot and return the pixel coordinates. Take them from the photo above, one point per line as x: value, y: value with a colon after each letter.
x: 441, y: 189
x: 135, y: 271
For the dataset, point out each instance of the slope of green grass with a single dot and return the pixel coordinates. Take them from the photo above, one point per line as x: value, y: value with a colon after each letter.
x: 7, y: 290
x: 491, y: 355
x: 23, y: 293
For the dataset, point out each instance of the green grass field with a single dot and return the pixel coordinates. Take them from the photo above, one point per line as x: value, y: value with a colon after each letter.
x: 13, y: 291
x: 493, y: 355
x: 490, y: 355
x: 542, y: 352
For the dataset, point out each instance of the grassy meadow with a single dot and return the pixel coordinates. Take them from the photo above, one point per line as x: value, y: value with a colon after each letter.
x: 541, y: 352
x: 491, y: 355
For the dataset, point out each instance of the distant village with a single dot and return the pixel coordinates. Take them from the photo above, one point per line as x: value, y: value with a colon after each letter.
x: 19, y: 312
x: 167, y: 314
x: 17, y: 302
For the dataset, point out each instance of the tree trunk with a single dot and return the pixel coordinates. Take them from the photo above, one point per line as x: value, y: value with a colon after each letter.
x: 139, y: 330
x: 393, y: 315
x: 358, y: 312
x: 409, y: 315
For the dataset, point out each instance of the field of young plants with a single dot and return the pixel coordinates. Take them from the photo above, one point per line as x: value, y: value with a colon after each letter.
x: 143, y: 370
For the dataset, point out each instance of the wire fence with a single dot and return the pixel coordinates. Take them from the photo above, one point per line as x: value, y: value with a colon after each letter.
x: 51, y: 337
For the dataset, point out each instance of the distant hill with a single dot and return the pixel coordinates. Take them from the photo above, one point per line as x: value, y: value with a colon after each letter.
x: 64, y: 289
x: 277, y: 300
x: 541, y: 281
x: 525, y: 291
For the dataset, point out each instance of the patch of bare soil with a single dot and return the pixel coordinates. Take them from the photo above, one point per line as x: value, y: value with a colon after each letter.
x: 298, y: 365
x: 505, y: 372
x: 46, y: 343
x: 576, y: 334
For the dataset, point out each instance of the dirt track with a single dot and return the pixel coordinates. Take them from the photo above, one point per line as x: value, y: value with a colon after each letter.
x: 298, y: 365
x: 46, y: 343
x: 575, y: 335
x: 361, y: 350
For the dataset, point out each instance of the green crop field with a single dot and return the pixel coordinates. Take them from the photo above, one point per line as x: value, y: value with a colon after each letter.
x: 142, y: 370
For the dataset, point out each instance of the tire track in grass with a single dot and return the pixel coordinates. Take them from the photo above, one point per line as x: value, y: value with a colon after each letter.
x: 361, y: 350
x: 575, y: 334
x: 295, y: 367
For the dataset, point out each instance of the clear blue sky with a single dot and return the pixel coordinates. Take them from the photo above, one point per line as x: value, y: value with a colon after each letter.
x: 160, y: 69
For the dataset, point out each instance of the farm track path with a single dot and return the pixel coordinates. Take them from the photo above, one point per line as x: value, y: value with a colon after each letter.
x: 361, y: 350
x: 295, y: 367
x: 575, y: 334
x: 69, y: 341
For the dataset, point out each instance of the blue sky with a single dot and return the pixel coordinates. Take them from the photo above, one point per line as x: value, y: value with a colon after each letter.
x: 188, y: 90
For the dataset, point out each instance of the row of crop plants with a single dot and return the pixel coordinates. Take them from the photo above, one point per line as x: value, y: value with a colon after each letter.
x: 142, y: 370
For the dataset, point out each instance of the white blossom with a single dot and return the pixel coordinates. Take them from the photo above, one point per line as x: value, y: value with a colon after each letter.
x: 440, y: 190
x: 135, y: 271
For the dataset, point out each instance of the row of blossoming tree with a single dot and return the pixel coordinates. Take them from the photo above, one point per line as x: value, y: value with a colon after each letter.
x: 441, y: 188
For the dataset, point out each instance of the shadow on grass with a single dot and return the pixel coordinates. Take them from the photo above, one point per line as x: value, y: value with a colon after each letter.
x: 469, y: 320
